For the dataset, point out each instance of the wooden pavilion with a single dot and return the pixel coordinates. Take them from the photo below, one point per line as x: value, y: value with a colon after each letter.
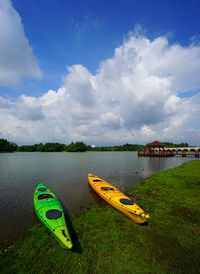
x: 155, y: 149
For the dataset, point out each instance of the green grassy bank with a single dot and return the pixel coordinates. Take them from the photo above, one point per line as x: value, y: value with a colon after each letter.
x: 106, y: 241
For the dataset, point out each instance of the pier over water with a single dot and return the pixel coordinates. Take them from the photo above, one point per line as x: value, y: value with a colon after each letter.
x: 157, y: 149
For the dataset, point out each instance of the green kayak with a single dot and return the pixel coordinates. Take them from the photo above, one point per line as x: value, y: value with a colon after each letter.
x: 49, y: 210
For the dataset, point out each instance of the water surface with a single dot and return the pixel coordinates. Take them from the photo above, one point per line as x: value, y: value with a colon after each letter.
x: 66, y: 175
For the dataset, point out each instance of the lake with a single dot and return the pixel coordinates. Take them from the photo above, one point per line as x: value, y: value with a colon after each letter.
x: 65, y: 174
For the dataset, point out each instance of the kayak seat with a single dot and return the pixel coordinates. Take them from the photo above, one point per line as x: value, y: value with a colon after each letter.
x: 44, y: 196
x: 107, y: 188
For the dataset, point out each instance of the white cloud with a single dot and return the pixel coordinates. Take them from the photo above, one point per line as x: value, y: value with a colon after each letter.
x: 134, y: 97
x: 16, y: 55
x: 28, y: 109
x: 79, y: 85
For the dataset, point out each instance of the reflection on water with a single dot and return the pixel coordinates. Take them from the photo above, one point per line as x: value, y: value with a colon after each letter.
x: 97, y: 199
x: 66, y: 175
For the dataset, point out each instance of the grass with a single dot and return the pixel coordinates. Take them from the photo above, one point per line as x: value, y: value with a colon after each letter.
x: 106, y: 241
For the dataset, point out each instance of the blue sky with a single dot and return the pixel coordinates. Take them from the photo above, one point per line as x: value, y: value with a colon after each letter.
x: 63, y: 34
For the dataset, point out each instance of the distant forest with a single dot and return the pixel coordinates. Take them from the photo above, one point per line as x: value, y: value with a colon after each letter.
x: 6, y: 146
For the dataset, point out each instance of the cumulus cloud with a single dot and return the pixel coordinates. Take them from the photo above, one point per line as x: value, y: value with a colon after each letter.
x: 134, y: 97
x: 79, y: 85
x: 16, y: 55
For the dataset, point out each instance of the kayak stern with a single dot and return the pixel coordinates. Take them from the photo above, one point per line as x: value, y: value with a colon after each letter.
x: 63, y: 236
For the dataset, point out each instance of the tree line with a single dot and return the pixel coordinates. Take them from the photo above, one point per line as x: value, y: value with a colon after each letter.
x: 55, y: 147
x: 176, y: 145
x: 6, y: 146
x: 125, y: 147
x: 78, y: 147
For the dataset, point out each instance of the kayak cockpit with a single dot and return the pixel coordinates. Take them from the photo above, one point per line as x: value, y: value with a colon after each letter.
x: 53, y: 214
x: 107, y: 188
x: 45, y: 196
x: 126, y: 201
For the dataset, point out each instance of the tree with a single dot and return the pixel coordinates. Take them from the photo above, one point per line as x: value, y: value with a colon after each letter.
x: 76, y: 147
x: 6, y: 146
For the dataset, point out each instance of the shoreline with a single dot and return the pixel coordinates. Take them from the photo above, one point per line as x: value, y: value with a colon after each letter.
x: 102, y: 234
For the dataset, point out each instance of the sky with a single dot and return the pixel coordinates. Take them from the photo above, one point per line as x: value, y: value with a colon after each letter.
x: 101, y: 72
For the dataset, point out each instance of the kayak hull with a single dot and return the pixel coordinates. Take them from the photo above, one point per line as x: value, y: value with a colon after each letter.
x: 117, y: 199
x: 50, y: 212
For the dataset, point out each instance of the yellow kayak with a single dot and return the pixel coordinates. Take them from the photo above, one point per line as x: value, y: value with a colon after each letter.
x: 117, y: 199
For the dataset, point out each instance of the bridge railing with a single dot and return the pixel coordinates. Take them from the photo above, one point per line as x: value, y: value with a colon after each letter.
x: 168, y: 153
x: 179, y: 148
